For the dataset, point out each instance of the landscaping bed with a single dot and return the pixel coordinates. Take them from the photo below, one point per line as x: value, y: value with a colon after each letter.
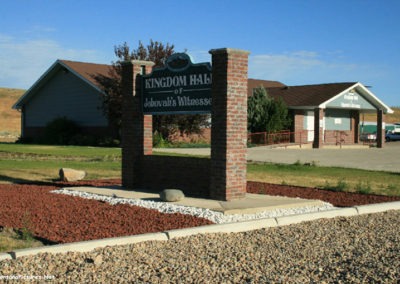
x: 336, y: 198
x: 56, y: 218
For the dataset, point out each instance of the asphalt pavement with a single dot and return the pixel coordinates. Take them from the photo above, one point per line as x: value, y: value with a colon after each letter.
x: 377, y: 159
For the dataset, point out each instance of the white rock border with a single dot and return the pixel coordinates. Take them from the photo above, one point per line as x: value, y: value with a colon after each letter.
x: 213, y: 216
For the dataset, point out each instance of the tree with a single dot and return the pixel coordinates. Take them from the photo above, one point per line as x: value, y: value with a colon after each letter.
x: 112, y: 98
x: 265, y: 114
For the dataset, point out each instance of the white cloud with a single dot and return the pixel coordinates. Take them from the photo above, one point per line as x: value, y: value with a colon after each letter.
x: 199, y: 56
x: 23, y: 62
x: 302, y: 67
x: 306, y: 67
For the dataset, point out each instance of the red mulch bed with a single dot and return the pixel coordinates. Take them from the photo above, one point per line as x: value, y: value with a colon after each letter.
x: 339, y: 199
x: 59, y: 218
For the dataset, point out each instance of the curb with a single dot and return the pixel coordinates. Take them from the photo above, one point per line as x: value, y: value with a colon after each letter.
x: 378, y: 207
x: 89, y: 245
x: 4, y: 256
x: 223, y: 228
x: 294, y: 219
x: 215, y: 228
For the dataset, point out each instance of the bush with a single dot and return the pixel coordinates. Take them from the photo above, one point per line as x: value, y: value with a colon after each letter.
x: 266, y: 114
x: 60, y: 131
x: 159, y: 141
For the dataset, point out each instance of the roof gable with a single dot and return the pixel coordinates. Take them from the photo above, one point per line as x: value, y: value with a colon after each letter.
x: 326, y: 95
x: 88, y: 72
x: 308, y: 95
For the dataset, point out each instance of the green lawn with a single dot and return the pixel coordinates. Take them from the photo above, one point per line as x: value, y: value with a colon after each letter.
x: 332, y: 178
x: 41, y: 163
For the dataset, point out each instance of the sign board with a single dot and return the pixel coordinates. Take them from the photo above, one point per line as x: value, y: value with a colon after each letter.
x: 351, y: 100
x: 180, y: 87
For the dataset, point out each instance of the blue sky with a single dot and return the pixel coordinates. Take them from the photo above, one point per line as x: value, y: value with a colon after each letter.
x: 296, y: 42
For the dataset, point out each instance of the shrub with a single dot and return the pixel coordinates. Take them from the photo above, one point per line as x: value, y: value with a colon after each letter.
x: 159, y: 141
x: 60, y: 131
x: 340, y: 186
x: 364, y: 188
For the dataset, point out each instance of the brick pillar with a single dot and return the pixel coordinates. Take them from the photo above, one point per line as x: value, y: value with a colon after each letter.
x: 318, y: 130
x: 136, y: 129
x: 229, y: 124
x: 380, y: 130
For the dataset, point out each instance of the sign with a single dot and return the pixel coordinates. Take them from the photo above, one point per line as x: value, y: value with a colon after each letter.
x: 179, y: 88
x: 351, y: 100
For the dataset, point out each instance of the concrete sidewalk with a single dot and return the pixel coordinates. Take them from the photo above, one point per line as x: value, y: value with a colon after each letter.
x: 253, y: 203
x: 384, y: 159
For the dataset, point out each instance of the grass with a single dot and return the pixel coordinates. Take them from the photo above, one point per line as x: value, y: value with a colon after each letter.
x: 331, y: 178
x: 20, y: 163
x: 24, y: 163
x: 11, y: 239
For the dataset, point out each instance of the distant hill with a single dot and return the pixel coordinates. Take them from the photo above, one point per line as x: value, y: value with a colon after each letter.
x: 389, y: 118
x: 10, y: 119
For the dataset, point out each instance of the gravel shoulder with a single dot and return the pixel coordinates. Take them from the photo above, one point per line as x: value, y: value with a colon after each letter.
x: 361, y: 249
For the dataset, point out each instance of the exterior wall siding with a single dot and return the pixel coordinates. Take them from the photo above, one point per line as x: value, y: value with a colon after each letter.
x: 336, y: 137
x: 65, y: 95
x: 337, y: 119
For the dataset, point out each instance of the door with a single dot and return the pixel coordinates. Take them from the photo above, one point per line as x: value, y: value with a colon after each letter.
x: 310, y: 126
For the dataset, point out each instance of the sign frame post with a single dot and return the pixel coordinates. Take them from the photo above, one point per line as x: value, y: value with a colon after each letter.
x: 223, y: 93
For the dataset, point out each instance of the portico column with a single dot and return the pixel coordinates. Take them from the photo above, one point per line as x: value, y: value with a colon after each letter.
x: 318, y: 128
x: 355, y: 122
x: 379, y: 131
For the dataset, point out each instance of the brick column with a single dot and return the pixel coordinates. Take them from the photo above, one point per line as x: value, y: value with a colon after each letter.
x: 380, y: 130
x: 136, y: 129
x: 318, y: 130
x: 229, y: 124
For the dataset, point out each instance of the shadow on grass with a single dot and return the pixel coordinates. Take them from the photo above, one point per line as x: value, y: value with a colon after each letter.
x: 10, y: 179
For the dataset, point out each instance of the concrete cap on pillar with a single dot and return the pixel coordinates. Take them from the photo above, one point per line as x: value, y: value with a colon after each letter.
x: 138, y: 62
x: 228, y: 51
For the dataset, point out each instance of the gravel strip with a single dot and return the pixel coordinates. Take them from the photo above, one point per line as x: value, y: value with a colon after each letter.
x: 359, y: 249
x: 213, y: 216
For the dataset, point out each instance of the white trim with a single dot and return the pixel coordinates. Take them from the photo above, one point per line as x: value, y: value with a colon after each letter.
x: 46, y: 76
x: 80, y: 76
x: 367, y: 93
x: 36, y: 84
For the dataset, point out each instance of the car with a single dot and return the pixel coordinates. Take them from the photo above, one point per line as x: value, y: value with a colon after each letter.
x: 368, y: 137
x: 392, y: 136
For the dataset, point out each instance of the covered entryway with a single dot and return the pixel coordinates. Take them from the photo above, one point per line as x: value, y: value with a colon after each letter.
x: 329, y: 114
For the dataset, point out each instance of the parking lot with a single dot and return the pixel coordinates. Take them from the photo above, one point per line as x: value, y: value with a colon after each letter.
x: 384, y: 159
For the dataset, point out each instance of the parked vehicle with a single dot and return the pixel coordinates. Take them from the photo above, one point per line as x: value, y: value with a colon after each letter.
x: 368, y: 137
x: 392, y: 136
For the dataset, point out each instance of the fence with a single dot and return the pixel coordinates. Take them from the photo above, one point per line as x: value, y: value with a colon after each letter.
x: 281, y: 137
x: 330, y: 137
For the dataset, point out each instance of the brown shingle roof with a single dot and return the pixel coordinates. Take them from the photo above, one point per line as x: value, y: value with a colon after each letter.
x: 253, y: 83
x: 308, y: 95
x: 293, y: 96
x: 89, y: 71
